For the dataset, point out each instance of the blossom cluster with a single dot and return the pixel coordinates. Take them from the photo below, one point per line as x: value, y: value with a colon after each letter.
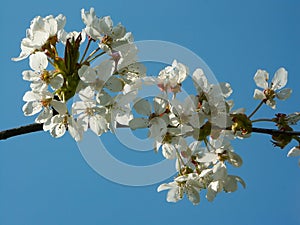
x: 101, y: 89
x: 195, y: 131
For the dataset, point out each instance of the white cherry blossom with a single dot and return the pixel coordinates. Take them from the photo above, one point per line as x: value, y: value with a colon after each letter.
x: 40, y: 32
x: 38, y: 101
x: 270, y: 91
x: 90, y: 115
x: 185, y: 184
x: 170, y: 78
x: 59, y: 124
x: 41, y: 77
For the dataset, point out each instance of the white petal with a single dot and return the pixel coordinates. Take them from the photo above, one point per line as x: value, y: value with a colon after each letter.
x: 294, y: 152
x: 60, y: 107
x: 258, y: 94
x: 271, y: 103
x: 58, y: 130
x: 160, y: 105
x: 137, y: 123
x: 75, y: 130
x: 208, y: 157
x: 86, y: 94
x: 168, y: 151
x: 87, y: 74
x: 234, y: 159
x: 31, y: 75
x: 175, y: 194
x: 123, y: 116
x: 284, y: 94
x: 30, y: 96
x: 38, y: 61
x: 44, y: 115
x: 143, y: 107
x: 261, y: 78
x: 106, y: 24
x: 38, y: 86
x: 200, y: 80
x: 280, y: 79
x: 158, y: 127
x: 193, y: 195
x: 57, y: 82
x: 98, y: 124
x: 164, y: 187
x: 31, y: 108
x: 230, y: 184
x: 103, y: 98
x: 226, y: 89
x: 219, y: 171
x: 216, y: 186
x: 114, y: 84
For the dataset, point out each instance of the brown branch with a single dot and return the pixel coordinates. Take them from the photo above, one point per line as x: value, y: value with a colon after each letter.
x: 272, y: 131
x: 21, y: 130
x: 39, y: 127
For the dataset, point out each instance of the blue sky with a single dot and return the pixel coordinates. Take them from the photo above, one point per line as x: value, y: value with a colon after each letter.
x: 47, y: 181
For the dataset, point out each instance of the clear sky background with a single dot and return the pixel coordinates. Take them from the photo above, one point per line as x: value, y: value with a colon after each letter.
x: 46, y: 181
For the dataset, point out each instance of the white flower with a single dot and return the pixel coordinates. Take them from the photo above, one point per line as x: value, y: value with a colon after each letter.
x: 92, y: 22
x: 120, y: 109
x: 40, y: 32
x: 212, y: 98
x: 38, y: 101
x: 186, y: 112
x: 132, y: 72
x: 40, y: 77
x: 63, y: 36
x: 102, y: 29
x: 269, y: 93
x: 98, y: 77
x: 89, y: 114
x: 59, y: 124
x: 171, y: 77
x: 184, y: 184
x: 157, y: 121
x: 221, y: 181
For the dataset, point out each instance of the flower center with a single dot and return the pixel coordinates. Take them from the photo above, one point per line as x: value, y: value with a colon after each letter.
x: 45, y: 76
x: 46, y: 102
x: 269, y: 93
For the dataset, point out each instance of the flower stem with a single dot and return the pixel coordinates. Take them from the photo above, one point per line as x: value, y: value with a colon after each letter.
x: 96, y: 56
x: 92, y: 53
x: 262, y: 120
x: 256, y: 109
x: 86, y: 50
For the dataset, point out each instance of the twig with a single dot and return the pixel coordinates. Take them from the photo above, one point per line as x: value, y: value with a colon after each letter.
x: 21, y: 130
x: 272, y: 131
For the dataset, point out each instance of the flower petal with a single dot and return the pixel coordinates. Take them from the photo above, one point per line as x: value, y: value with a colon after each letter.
x: 284, y: 94
x: 294, y: 152
x: 258, y: 94
x: 261, y: 78
x: 280, y: 79
x: 38, y: 61
x: 168, y: 151
x: 143, y: 107
x: 137, y: 123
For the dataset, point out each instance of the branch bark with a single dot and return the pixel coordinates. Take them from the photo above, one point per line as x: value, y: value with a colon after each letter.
x: 20, y: 130
x: 30, y: 128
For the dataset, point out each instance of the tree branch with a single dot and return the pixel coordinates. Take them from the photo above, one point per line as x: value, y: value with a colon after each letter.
x: 39, y: 127
x: 272, y: 131
x: 21, y: 130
